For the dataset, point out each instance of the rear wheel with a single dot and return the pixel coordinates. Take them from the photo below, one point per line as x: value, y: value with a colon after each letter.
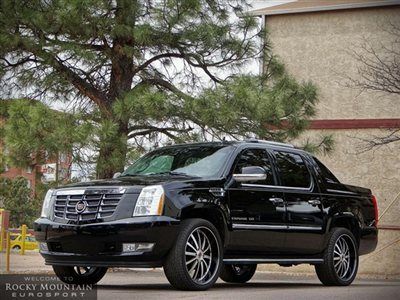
x: 340, y: 259
x: 79, y: 275
x: 195, y: 260
x: 237, y: 273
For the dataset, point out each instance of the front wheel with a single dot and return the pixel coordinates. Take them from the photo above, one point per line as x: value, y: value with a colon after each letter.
x: 195, y: 260
x: 79, y: 275
x: 237, y: 273
x: 340, y: 259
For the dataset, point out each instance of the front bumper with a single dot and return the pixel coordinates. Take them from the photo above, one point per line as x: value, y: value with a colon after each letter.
x: 100, y: 244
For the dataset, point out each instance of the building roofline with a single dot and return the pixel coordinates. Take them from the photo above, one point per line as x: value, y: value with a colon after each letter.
x: 274, y: 10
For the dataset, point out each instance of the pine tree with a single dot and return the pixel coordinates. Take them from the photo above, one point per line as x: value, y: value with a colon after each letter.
x: 140, y: 71
x: 16, y: 197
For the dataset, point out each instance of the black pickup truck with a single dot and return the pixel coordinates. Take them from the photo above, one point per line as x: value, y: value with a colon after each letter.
x: 208, y: 210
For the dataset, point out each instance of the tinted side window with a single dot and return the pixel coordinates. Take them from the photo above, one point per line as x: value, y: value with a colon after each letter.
x: 293, y: 170
x: 256, y: 158
x: 325, y: 173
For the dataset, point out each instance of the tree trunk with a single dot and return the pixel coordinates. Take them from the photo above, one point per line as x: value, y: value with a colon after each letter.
x: 113, y: 149
x: 112, y: 154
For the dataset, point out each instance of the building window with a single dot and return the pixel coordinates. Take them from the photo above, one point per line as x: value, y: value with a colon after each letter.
x: 63, y: 158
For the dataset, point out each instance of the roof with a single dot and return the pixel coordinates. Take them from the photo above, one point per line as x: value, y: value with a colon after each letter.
x: 234, y: 142
x: 304, y: 6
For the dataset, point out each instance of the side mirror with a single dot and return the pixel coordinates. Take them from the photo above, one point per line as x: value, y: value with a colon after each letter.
x: 116, y: 175
x: 251, y: 173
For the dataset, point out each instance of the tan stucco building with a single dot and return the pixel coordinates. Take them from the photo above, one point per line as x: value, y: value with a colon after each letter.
x: 314, y: 40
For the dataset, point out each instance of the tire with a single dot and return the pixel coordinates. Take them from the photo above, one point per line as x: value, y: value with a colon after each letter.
x: 79, y: 275
x: 195, y: 261
x: 16, y: 248
x: 340, y: 259
x: 237, y: 273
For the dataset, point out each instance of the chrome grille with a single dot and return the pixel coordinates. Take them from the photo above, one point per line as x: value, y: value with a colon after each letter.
x: 98, y: 205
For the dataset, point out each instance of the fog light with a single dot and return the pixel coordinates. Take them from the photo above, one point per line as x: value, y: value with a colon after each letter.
x: 43, y: 247
x: 137, y: 247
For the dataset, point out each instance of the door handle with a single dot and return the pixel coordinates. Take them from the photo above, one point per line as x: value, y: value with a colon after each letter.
x: 276, y: 201
x: 314, y: 202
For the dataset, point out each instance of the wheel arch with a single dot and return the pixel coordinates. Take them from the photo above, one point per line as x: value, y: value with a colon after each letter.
x: 212, y: 214
x: 348, y: 221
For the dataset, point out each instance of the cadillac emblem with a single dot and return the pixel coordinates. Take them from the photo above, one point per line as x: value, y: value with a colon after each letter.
x: 80, y: 206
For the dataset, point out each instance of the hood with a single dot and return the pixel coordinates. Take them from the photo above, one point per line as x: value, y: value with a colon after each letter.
x: 138, y: 182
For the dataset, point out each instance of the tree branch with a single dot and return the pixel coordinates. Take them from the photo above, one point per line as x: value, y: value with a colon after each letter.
x: 82, y: 85
x: 148, y: 129
x: 153, y: 59
x: 379, y: 141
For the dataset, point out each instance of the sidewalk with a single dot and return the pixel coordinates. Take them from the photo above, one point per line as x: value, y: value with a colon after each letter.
x: 31, y: 262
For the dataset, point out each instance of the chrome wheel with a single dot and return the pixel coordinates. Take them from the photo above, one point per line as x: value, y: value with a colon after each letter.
x: 202, y: 255
x: 345, y: 257
x: 79, y: 274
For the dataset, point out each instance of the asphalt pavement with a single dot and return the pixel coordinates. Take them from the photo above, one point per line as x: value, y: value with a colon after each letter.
x: 154, y: 285
x: 288, y: 283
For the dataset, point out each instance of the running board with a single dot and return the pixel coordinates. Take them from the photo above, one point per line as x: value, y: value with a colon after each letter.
x: 285, y: 261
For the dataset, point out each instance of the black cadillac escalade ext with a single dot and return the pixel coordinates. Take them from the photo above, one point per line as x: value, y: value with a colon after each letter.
x: 210, y: 210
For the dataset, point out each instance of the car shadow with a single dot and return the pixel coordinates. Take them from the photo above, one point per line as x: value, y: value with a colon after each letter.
x: 249, y: 285
x: 230, y: 286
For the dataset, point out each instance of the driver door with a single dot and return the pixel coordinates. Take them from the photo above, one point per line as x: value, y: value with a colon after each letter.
x: 257, y: 208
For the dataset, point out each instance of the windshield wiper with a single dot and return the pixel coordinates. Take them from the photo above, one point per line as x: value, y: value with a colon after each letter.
x: 179, y: 173
x: 172, y: 173
x: 128, y: 175
x: 161, y: 173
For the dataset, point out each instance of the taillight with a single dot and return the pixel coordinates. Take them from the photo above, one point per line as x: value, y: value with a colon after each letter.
x: 375, y: 209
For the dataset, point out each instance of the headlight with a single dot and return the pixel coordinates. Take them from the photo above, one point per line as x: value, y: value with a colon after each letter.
x: 150, y: 201
x: 46, y: 208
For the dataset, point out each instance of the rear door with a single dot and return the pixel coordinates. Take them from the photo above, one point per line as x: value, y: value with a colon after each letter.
x: 257, y: 208
x: 304, y: 211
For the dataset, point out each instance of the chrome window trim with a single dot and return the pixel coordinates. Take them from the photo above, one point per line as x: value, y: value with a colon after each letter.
x: 310, y: 188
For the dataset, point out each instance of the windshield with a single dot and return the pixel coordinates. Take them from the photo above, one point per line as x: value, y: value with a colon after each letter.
x: 197, y: 161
